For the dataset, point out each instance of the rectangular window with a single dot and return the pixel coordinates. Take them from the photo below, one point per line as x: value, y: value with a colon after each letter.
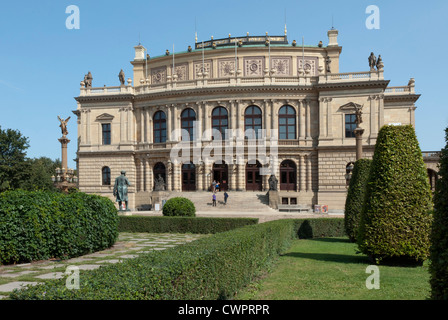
x: 350, y: 125
x: 106, y: 133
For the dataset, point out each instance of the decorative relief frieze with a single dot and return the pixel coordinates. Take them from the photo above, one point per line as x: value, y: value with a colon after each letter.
x: 282, y: 66
x: 201, y: 68
x: 310, y: 64
x: 158, y: 75
x: 253, y: 66
x: 225, y: 67
x: 182, y: 72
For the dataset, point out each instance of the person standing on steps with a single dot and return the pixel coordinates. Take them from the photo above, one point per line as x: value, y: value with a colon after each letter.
x: 226, y: 195
x: 214, y: 200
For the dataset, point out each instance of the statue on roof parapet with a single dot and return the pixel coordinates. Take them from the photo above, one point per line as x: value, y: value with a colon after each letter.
x: 88, y: 80
x: 121, y: 77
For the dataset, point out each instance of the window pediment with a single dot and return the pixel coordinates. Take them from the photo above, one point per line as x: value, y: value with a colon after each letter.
x: 104, y: 117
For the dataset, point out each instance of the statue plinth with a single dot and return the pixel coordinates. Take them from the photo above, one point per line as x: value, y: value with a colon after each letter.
x: 273, y: 199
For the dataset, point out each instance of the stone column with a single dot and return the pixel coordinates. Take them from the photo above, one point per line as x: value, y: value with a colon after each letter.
x: 168, y: 123
x: 358, y: 135
x: 200, y: 176
x: 88, y: 124
x: 147, y: 173
x: 302, y: 172
x: 169, y: 175
x: 130, y: 121
x: 308, y: 119
x: 64, y: 142
x: 322, y: 111
x: 329, y: 118
x: 301, y: 114
x: 177, y: 172
x: 308, y: 172
x: 148, y: 127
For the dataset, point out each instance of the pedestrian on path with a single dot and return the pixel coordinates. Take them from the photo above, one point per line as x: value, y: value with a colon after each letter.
x: 226, y: 195
x: 214, y: 200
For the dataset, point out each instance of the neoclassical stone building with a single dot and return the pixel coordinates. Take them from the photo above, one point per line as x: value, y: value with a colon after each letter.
x: 294, y: 93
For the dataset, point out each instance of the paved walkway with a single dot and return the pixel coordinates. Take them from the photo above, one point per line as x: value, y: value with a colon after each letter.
x: 128, y: 245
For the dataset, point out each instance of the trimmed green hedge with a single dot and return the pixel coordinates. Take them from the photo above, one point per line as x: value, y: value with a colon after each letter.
x: 38, y: 225
x: 214, y: 267
x: 396, y: 221
x: 355, y: 197
x: 201, y: 225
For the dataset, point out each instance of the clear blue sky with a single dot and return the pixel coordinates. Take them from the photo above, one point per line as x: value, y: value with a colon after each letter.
x: 42, y: 62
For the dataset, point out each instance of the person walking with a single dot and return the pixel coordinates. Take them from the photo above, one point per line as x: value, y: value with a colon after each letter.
x: 217, y: 186
x: 214, y: 200
x: 226, y: 195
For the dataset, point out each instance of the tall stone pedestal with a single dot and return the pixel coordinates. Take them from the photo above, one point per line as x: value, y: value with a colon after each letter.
x: 157, y: 197
x: 273, y: 199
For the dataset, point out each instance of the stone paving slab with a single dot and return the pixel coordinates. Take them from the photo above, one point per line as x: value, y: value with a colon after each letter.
x: 128, y: 245
x: 15, y: 285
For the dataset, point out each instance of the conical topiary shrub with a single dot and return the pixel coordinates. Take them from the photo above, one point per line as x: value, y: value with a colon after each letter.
x: 395, y: 222
x: 439, y: 236
x: 355, y: 197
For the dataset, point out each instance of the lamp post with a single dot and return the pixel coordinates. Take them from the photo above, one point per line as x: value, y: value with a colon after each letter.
x: 348, y: 173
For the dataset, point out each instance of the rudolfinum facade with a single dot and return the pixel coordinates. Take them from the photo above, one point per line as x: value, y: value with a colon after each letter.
x: 244, y: 108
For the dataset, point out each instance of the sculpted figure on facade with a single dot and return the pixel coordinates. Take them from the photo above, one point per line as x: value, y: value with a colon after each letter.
x: 159, y: 184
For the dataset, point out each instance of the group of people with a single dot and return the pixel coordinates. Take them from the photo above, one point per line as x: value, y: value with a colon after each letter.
x: 215, y: 188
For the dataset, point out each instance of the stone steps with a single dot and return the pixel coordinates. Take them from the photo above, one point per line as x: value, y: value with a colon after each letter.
x: 237, y: 201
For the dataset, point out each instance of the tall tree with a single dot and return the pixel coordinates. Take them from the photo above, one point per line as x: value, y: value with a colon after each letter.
x: 40, y: 172
x: 395, y: 221
x: 14, y: 168
x: 439, y: 234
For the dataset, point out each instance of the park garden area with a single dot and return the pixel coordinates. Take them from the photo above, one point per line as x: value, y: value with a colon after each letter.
x: 391, y: 245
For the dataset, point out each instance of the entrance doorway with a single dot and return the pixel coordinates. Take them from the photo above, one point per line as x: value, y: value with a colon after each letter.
x: 288, y: 176
x: 254, y: 180
x: 188, y: 177
x: 221, y: 175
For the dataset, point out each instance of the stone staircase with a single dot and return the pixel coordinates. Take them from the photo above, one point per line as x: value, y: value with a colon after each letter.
x: 247, y: 201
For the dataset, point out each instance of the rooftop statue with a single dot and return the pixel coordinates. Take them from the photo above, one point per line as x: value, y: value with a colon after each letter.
x: 121, y: 77
x: 88, y: 80
x: 372, y: 61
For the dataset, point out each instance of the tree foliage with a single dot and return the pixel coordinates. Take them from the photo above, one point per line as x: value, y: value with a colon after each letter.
x: 13, y: 165
x: 395, y: 221
x: 439, y: 235
x: 355, y: 197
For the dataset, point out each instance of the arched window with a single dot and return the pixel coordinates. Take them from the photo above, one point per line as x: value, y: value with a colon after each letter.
x: 159, y: 127
x: 105, y: 173
x: 220, y: 121
x: 287, y: 123
x: 252, y: 122
x: 288, y: 175
x: 187, y: 118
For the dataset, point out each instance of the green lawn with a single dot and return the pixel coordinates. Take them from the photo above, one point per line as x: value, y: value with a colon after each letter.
x: 330, y: 268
